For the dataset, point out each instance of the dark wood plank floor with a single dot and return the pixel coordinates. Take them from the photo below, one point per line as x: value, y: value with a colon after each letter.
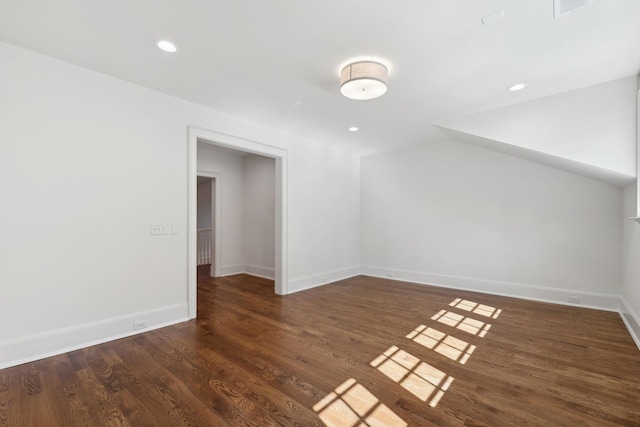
x: 359, y: 352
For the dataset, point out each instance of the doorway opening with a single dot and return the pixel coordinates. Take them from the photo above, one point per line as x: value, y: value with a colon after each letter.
x: 252, y: 147
x: 208, y: 222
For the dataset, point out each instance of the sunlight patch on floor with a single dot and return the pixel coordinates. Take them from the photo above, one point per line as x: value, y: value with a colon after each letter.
x: 351, y: 405
x: 467, y: 324
x: 474, y: 307
x: 446, y: 345
x: 417, y: 377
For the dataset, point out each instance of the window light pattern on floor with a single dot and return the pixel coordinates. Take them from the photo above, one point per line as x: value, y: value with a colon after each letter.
x: 467, y: 324
x: 474, y: 307
x: 417, y: 377
x: 351, y: 405
x: 448, y: 346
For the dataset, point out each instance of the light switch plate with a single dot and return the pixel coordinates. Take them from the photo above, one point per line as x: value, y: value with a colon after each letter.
x: 158, y: 229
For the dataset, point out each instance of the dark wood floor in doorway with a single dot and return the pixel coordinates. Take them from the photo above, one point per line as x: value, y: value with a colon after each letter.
x: 360, y: 352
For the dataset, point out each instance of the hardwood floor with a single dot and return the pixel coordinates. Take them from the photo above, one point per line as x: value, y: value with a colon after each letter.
x: 362, y: 351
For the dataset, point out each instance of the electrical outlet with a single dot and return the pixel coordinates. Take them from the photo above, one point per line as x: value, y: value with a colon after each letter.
x: 389, y: 275
x: 158, y: 229
x: 175, y: 228
x: 573, y: 300
x: 139, y: 325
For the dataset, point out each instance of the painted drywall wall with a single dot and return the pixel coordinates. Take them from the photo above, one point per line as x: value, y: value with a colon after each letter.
x: 331, y: 218
x: 631, y: 267
x: 637, y: 212
x: 259, y: 215
x: 455, y: 214
x: 595, y: 125
x: 87, y: 163
x: 204, y: 204
x: 231, y: 186
x: 630, y: 301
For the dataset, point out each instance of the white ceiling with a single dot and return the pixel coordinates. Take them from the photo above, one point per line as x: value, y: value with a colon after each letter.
x: 255, y: 58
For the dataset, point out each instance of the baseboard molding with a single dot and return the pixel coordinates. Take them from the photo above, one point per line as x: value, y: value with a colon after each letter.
x: 264, y: 272
x: 230, y: 270
x: 599, y: 301
x: 313, y: 281
x: 252, y: 270
x: 38, y: 346
x: 631, y: 320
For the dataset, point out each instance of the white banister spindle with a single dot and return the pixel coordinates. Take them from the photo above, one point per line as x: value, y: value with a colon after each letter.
x: 204, y: 243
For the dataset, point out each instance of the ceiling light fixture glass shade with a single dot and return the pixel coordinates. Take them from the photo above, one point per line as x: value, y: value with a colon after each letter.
x: 364, y: 80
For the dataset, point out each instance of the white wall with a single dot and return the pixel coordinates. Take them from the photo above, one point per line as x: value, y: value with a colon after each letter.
x: 630, y: 307
x: 204, y: 204
x: 329, y: 195
x: 92, y: 161
x: 594, y: 125
x: 259, y: 215
x: 231, y: 186
x: 458, y: 215
x: 631, y: 266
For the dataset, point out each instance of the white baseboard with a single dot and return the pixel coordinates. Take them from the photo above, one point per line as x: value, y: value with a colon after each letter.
x: 230, y: 270
x: 264, y: 272
x: 252, y: 270
x: 38, y: 346
x: 631, y: 320
x: 599, y: 301
x: 33, y: 347
x: 313, y: 281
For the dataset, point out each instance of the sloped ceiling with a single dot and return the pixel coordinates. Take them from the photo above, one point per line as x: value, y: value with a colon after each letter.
x: 590, y: 131
x: 277, y: 62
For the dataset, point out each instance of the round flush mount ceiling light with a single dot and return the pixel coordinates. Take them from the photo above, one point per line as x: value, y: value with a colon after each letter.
x: 167, y: 46
x: 516, y: 87
x: 353, y: 129
x: 364, y: 80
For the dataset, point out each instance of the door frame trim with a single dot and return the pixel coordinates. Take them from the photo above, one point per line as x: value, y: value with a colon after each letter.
x: 281, y: 204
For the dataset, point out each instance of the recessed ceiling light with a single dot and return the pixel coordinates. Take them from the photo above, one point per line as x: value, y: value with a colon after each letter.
x: 167, y: 46
x: 353, y: 129
x: 518, y: 86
